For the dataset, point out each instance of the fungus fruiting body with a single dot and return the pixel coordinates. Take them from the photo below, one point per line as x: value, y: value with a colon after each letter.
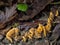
x: 33, y: 32
x: 13, y: 33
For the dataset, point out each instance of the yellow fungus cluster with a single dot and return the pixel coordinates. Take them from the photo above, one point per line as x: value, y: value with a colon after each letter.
x: 36, y: 32
x: 33, y: 32
x: 13, y: 33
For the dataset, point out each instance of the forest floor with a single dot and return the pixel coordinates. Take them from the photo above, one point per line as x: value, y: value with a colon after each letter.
x: 38, y: 13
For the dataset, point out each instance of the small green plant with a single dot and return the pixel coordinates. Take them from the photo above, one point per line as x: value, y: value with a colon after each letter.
x: 55, y: 2
x: 22, y: 7
x: 15, y: 25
